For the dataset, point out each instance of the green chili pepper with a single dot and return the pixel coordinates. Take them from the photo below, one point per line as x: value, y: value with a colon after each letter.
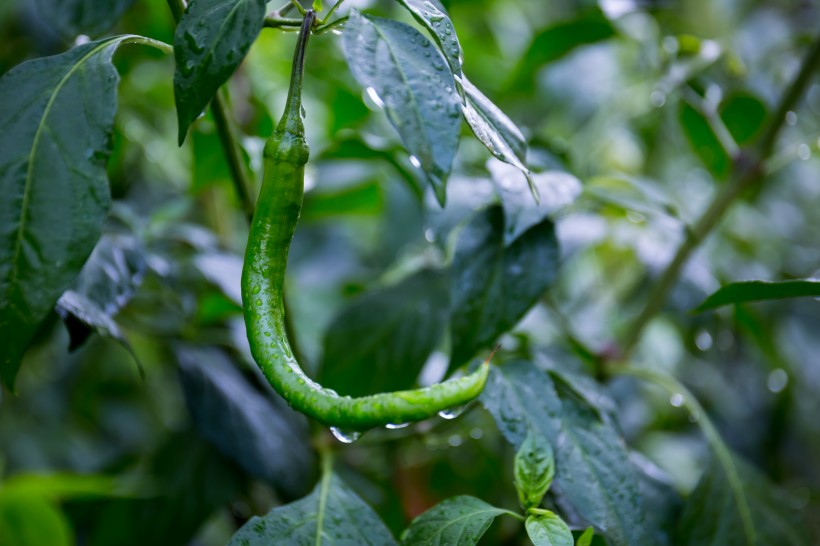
x: 263, y: 275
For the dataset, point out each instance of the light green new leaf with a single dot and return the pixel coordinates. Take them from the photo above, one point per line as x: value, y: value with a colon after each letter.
x: 332, y: 515
x: 459, y: 521
x: 586, y: 537
x: 56, y: 119
x: 741, y: 292
x: 547, y: 529
x: 534, y: 469
x: 408, y: 76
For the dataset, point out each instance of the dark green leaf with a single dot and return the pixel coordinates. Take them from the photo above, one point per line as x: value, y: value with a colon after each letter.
x: 459, y: 521
x: 592, y: 468
x: 211, y: 40
x: 533, y: 469
x: 56, y: 118
x: 748, y: 511
x: 381, y: 340
x: 433, y: 16
x: 360, y: 200
x: 404, y: 71
x: 742, y: 114
x: 268, y: 440
x: 741, y: 292
x: 547, y: 529
x: 90, y: 17
x: 331, y: 515
x: 494, y: 284
x: 558, y: 40
x: 191, y: 480
x: 494, y: 129
x: 106, y: 283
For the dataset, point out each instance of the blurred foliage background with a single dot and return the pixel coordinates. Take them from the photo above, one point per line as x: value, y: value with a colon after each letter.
x: 618, y: 96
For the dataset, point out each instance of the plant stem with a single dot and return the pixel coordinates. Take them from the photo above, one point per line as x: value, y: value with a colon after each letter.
x: 233, y: 155
x: 331, y: 12
x: 748, y: 171
x: 272, y: 21
x: 220, y: 109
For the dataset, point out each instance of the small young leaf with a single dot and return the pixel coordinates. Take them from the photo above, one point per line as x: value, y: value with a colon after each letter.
x: 402, y: 70
x: 56, y: 119
x: 211, y: 40
x: 494, y: 284
x: 592, y: 466
x: 534, y: 469
x: 331, y: 514
x: 741, y: 292
x: 458, y: 521
x: 547, y: 529
x: 381, y: 340
x: 493, y: 128
x: 586, y: 537
x: 433, y: 16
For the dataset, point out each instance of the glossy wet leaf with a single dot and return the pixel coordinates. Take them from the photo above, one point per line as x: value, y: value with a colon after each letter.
x: 556, y: 190
x: 381, y: 340
x: 742, y: 292
x: 458, y: 521
x: 749, y: 512
x: 493, y: 128
x: 548, y: 530
x: 558, y: 40
x: 533, y: 470
x: 433, y: 16
x: 592, y: 468
x: 56, y: 118
x: 494, y: 284
x: 211, y: 40
x: 267, y: 439
x: 106, y: 283
x: 90, y: 17
x: 332, y: 515
x: 412, y: 81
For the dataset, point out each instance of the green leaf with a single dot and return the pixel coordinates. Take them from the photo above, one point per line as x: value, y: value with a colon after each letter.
x: 106, y: 283
x: 268, y: 440
x: 748, y: 511
x: 494, y: 284
x: 592, y: 468
x: 364, y: 199
x: 402, y: 69
x: 494, y: 129
x: 741, y: 292
x: 381, y: 340
x: 31, y: 520
x: 547, y: 529
x: 458, y: 521
x: 586, y: 537
x: 559, y: 40
x: 743, y: 116
x: 331, y: 515
x: 59, y: 487
x: 533, y: 469
x: 90, y: 17
x: 433, y: 16
x: 56, y: 118
x: 210, y: 42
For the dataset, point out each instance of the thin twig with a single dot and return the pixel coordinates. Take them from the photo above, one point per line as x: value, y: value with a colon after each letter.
x: 748, y: 171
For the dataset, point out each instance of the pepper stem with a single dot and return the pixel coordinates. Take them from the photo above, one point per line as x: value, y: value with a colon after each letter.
x: 291, y: 121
